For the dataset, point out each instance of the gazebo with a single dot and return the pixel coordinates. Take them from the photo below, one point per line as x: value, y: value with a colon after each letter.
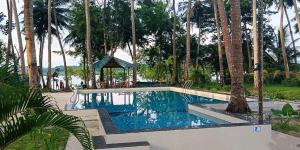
x: 111, y: 62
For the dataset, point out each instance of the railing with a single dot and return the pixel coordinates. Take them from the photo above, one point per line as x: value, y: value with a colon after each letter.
x: 74, y: 99
x: 187, y: 84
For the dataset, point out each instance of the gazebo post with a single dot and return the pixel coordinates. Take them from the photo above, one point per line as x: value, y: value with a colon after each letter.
x: 107, y: 76
x: 101, y: 75
x: 124, y: 75
x: 128, y: 85
x: 110, y: 76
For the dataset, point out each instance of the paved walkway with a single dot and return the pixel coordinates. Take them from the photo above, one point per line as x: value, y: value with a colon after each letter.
x: 279, y: 141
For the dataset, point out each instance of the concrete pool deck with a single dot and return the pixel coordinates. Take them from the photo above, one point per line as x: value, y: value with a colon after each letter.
x: 278, y: 141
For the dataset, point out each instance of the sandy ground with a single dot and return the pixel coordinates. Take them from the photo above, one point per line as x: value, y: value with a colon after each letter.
x: 280, y: 141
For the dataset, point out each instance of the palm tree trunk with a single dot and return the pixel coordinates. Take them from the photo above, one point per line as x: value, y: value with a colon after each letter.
x: 258, y: 54
x: 88, y: 43
x: 133, y: 41
x: 188, y: 42
x: 174, y: 79
x: 248, y: 46
x: 297, y: 19
x: 220, y: 54
x: 22, y: 61
x: 283, y: 50
x: 49, y: 46
x: 41, y: 59
x: 104, y: 26
x: 291, y: 33
x: 296, y: 13
x: 84, y: 69
x: 67, y: 88
x: 198, y: 44
x: 255, y: 43
x: 234, y: 56
x: 30, y: 45
x: 9, y: 44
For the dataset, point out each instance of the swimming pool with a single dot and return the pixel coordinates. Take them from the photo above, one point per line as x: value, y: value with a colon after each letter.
x: 131, y: 111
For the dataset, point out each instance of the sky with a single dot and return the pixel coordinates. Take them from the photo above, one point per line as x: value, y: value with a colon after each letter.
x: 123, y: 54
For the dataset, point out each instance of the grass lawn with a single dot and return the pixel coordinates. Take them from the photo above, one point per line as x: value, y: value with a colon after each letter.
x: 42, y: 140
x: 291, y: 127
x: 279, y: 92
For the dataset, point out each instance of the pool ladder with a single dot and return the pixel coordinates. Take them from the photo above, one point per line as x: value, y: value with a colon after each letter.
x: 187, y: 84
x: 74, y: 99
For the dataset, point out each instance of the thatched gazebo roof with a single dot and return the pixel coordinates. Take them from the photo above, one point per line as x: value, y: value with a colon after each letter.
x: 112, y: 62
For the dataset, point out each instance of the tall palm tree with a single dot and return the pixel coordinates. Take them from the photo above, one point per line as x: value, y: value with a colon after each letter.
x: 290, y: 3
x: 22, y: 61
x: 9, y: 43
x: 220, y: 54
x: 282, y: 41
x: 40, y: 19
x: 30, y: 44
x: 133, y: 41
x: 174, y: 79
x: 297, y: 14
x: 255, y: 42
x: 67, y: 88
x: 49, y: 46
x: 91, y: 70
x: 258, y: 53
x: 188, y: 41
x: 233, y: 49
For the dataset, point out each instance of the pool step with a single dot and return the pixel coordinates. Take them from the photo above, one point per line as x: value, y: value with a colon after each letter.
x: 99, y: 143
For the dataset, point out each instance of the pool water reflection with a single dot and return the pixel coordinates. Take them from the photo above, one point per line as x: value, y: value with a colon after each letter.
x: 149, y: 110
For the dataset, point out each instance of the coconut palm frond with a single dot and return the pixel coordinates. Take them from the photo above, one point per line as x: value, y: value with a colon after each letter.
x: 23, y: 101
x: 20, y: 125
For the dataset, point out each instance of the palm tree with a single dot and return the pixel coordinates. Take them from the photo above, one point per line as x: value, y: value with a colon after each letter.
x: 24, y: 110
x: 67, y: 88
x: 88, y: 44
x: 297, y: 15
x: 40, y: 19
x: 174, y: 79
x: 283, y: 49
x: 258, y: 54
x: 290, y: 3
x: 49, y: 46
x: 188, y: 41
x: 30, y: 44
x: 255, y: 42
x: 220, y: 54
x: 233, y: 49
x: 9, y: 43
x: 133, y: 41
x: 22, y: 61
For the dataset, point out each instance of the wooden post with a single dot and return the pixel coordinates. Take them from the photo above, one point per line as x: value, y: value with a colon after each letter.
x: 128, y: 84
x: 124, y: 75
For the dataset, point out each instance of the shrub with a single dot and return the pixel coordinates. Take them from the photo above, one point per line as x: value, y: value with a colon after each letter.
x: 287, y: 109
x: 278, y: 76
x: 291, y: 82
x: 199, y: 76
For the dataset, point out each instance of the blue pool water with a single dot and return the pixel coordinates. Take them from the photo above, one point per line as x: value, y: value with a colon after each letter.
x: 149, y: 110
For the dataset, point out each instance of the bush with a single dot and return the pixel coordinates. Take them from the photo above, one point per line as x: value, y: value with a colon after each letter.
x: 291, y: 82
x: 287, y: 109
x: 278, y: 76
x: 199, y: 76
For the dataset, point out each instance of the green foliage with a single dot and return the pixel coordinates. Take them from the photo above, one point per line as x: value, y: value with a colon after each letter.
x: 50, y: 139
x: 24, y: 110
x: 199, y: 76
x: 287, y: 110
x: 77, y: 28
